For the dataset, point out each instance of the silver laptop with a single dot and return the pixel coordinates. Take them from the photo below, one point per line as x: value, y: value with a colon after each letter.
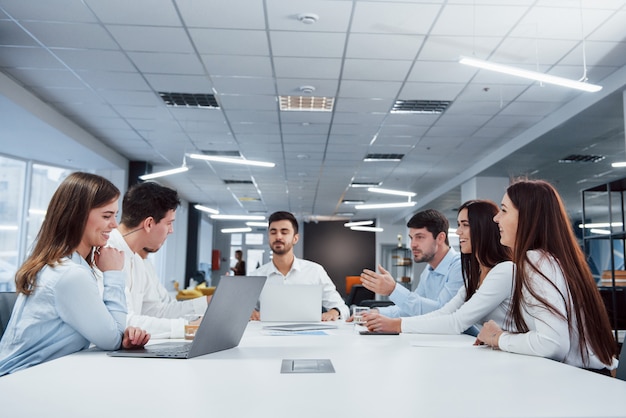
x: 222, y: 326
x: 291, y: 303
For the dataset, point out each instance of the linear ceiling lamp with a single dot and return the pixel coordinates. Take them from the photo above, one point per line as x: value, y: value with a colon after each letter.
x: 230, y: 160
x: 600, y: 225
x: 357, y: 223
x: 392, y: 192
x: 258, y: 224
x: 164, y: 173
x: 206, y: 209
x: 367, y: 228
x: 234, y: 230
x: 531, y: 75
x: 386, y: 205
x: 239, y: 217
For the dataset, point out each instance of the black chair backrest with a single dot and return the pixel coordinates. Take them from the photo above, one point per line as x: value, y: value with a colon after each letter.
x: 7, y: 300
x: 359, y: 293
x: 621, y: 367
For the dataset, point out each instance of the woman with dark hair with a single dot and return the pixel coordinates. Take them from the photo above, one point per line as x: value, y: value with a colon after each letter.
x: 556, y: 309
x: 59, y: 309
x: 487, y: 275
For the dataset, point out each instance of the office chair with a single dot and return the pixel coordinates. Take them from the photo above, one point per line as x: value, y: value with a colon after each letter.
x: 7, y: 300
x: 358, y: 293
x: 373, y: 303
x: 621, y: 367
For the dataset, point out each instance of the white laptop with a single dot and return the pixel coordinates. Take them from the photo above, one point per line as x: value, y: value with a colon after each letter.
x: 222, y: 326
x: 291, y: 303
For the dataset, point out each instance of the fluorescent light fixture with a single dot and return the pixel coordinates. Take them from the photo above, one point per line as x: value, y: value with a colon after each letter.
x: 619, y: 164
x: 389, y: 191
x: 600, y: 231
x: 164, y: 173
x: 260, y: 224
x: 230, y: 160
x: 352, y: 202
x: 367, y: 228
x: 8, y: 227
x: 37, y: 212
x: 386, y: 205
x: 372, y: 184
x: 532, y: 75
x: 357, y: 223
x: 599, y: 225
x: 235, y: 230
x: 206, y: 209
x: 452, y: 232
x: 239, y: 217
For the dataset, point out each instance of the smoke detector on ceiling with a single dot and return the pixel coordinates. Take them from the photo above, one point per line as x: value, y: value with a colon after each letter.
x: 308, y: 18
x: 306, y: 89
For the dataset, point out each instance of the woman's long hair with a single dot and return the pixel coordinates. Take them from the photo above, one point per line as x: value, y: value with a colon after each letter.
x: 64, y: 224
x: 485, y: 242
x: 543, y: 225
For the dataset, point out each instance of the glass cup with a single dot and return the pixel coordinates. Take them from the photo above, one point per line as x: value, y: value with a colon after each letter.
x: 357, y: 314
x: 192, y: 322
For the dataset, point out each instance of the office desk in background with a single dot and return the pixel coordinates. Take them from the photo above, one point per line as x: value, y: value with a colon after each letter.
x: 375, y: 376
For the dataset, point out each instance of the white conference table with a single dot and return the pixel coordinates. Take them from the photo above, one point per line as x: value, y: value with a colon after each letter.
x: 374, y: 376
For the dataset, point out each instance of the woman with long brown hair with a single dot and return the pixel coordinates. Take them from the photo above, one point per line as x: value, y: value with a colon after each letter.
x: 556, y: 308
x: 59, y: 309
x: 487, y: 275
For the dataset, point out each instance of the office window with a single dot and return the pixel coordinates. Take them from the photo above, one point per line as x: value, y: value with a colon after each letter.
x: 12, y: 178
x: 44, y: 182
x: 254, y: 239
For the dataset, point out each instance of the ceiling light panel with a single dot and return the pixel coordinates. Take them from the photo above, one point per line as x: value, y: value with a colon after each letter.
x: 306, y: 103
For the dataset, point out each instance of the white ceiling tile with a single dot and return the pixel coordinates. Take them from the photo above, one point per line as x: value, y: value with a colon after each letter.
x: 477, y: 20
x: 387, y: 70
x: 99, y: 80
x: 13, y: 35
x: 370, y: 46
x: 167, y: 63
x: 50, y: 10
x: 450, y: 48
x: 440, y: 72
x: 244, y: 85
x: 387, y: 17
x: 241, y: 102
x: 211, y: 14
x: 431, y: 91
x: 139, y: 12
x: 367, y: 90
x: 560, y: 22
x: 307, y: 44
x: 334, y: 16
x: 63, y: 35
x: 125, y: 97
x: 28, y: 57
x: 238, y: 66
x: 230, y: 42
x: 95, y: 60
x: 179, y: 83
x: 312, y: 68
x: 151, y: 39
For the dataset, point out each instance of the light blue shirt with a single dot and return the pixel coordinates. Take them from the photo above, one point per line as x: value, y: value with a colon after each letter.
x: 63, y: 315
x: 436, y: 287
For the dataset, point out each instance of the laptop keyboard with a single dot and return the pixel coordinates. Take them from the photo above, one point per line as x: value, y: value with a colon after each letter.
x: 172, y: 351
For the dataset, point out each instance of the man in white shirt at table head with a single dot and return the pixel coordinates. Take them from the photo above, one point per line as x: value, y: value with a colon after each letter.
x: 440, y: 280
x: 148, y: 214
x: 287, y: 269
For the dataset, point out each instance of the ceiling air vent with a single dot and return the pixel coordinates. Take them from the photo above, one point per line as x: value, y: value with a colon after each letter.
x: 581, y: 158
x: 190, y: 100
x: 425, y: 107
x: 238, y: 182
x: 383, y: 157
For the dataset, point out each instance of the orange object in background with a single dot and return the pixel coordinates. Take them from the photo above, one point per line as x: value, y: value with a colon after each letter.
x: 215, y: 260
x: 350, y: 281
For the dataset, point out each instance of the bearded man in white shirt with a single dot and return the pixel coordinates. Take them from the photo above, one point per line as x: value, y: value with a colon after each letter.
x: 148, y: 214
x: 285, y: 268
